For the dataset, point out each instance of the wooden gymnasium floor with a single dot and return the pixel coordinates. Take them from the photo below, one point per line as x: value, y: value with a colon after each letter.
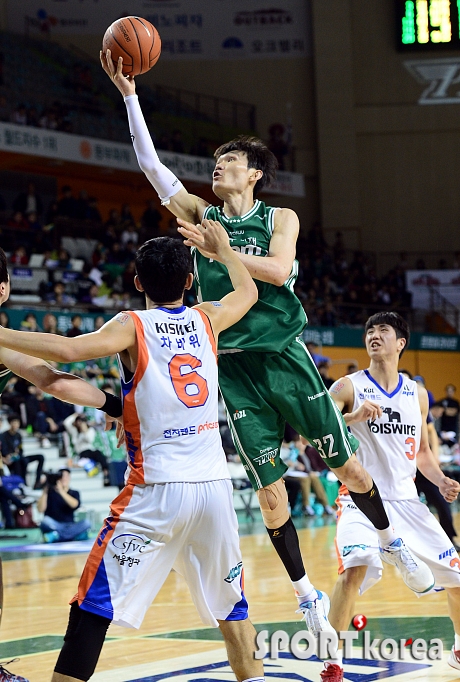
x: 172, y: 641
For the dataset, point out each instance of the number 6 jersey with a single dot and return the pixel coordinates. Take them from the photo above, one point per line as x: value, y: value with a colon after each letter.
x: 170, y: 403
x: 389, y: 445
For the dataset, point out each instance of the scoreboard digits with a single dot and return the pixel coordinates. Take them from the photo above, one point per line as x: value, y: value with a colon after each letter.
x: 433, y: 24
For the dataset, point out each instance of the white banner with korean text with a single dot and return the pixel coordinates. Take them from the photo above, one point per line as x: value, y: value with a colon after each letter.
x: 189, y: 29
x: 92, y: 151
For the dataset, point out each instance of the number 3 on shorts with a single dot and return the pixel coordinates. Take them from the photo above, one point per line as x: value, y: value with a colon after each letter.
x: 327, y: 441
x: 191, y: 388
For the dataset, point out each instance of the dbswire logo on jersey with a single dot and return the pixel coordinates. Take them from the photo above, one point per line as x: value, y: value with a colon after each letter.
x: 303, y: 645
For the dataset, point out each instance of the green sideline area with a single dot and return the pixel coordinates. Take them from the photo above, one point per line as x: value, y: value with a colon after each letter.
x: 403, y: 628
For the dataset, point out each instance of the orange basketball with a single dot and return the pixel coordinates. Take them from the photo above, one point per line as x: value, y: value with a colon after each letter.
x: 136, y: 40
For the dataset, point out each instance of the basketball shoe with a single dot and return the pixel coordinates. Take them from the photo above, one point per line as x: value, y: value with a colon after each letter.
x: 331, y: 673
x: 454, y: 658
x: 6, y: 676
x: 315, y: 614
x: 415, y: 573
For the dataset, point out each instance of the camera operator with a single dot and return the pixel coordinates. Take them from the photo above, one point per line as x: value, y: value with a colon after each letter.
x: 58, y: 502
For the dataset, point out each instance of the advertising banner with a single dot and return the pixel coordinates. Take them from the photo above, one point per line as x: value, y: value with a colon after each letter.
x: 189, y: 29
x: 119, y: 155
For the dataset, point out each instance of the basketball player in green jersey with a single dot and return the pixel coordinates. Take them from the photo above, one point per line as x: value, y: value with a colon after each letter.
x: 266, y: 374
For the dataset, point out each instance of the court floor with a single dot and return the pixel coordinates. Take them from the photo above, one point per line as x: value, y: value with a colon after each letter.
x: 172, y: 641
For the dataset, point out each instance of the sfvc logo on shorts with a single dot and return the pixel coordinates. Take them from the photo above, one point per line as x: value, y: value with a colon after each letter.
x: 234, y: 572
x: 130, y: 543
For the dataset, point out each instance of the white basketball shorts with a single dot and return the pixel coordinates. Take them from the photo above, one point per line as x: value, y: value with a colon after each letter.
x: 357, y: 542
x: 191, y: 527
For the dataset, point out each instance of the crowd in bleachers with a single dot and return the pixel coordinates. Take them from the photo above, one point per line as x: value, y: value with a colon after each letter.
x: 334, y: 285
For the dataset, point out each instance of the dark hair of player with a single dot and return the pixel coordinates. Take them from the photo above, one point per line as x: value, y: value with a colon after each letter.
x: 162, y: 265
x: 4, y: 276
x: 394, y: 320
x: 259, y: 157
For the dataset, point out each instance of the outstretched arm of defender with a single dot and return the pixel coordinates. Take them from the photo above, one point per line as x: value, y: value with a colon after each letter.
x: 235, y: 305
x: 66, y: 387
x: 115, y: 336
x: 171, y: 191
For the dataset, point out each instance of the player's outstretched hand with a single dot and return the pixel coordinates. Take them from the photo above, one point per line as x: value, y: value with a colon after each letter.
x: 368, y: 411
x: 449, y: 489
x: 210, y: 238
x: 125, y: 84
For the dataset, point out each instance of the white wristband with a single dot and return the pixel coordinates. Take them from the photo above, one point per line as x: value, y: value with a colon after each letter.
x: 162, y: 179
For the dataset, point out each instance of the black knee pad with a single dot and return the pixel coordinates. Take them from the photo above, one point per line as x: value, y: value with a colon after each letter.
x: 82, y: 643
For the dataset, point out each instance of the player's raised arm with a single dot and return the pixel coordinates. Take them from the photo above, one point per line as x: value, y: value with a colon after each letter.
x: 115, y: 336
x: 426, y: 462
x: 214, y: 240
x: 66, y: 387
x: 171, y: 191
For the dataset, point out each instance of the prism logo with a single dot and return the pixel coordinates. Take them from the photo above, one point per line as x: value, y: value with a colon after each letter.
x: 441, y: 78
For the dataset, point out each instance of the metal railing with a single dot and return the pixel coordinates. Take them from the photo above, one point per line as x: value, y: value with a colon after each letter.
x: 442, y: 306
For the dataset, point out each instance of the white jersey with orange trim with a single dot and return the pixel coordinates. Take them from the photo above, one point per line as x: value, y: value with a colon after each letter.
x: 170, y: 404
x: 389, y: 445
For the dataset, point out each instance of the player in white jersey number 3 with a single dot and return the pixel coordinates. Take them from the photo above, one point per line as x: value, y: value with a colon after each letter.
x: 176, y: 509
x: 387, y: 413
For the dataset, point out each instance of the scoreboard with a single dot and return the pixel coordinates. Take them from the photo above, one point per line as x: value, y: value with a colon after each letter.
x: 428, y: 24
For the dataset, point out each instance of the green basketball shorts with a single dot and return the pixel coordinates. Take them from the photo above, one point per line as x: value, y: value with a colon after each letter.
x: 263, y: 391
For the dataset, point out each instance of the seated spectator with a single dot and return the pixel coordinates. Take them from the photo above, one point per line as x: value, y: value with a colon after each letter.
x: 4, y: 319
x: 151, y: 220
x: 58, y: 296
x: 29, y: 201
x: 323, y: 369
x: 18, y: 222
x: 30, y: 324
x: 58, y: 503
x: 129, y: 234
x: 316, y: 357
x: 67, y: 206
x: 93, y: 211
x: 7, y: 497
x: 40, y: 415
x: 19, y: 115
x: 313, y: 467
x: 449, y: 422
x: 50, y: 325
x: 63, y: 259
x: 19, y: 256
x: 75, y: 329
x: 177, y: 143
x: 12, y: 452
x: 126, y: 216
x: 98, y: 323
x: 84, y: 283
x: 82, y: 436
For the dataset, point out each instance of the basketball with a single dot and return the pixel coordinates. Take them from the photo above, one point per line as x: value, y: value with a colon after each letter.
x: 136, y: 40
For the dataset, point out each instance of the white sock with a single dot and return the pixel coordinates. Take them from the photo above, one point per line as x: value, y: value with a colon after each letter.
x: 255, y: 679
x: 387, y: 536
x: 338, y: 658
x: 304, y: 590
x: 457, y: 642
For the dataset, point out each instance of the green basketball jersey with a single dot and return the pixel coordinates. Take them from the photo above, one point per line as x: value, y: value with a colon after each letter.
x: 278, y: 317
x: 5, y: 376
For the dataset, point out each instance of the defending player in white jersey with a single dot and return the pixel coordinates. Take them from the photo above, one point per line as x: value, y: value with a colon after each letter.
x: 176, y: 509
x: 387, y: 413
